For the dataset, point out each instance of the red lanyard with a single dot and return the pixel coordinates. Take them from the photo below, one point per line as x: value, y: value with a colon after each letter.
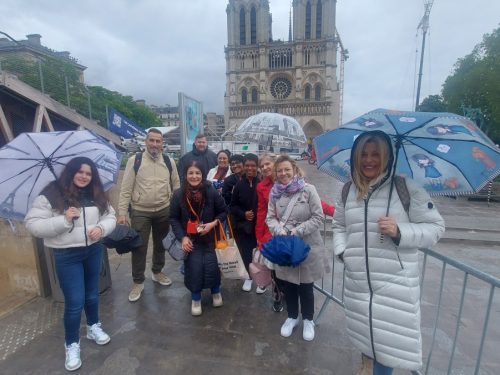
x: 192, y: 210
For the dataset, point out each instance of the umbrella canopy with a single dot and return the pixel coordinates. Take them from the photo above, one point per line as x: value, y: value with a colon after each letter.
x: 272, y: 129
x: 287, y: 251
x: 32, y: 160
x: 446, y: 153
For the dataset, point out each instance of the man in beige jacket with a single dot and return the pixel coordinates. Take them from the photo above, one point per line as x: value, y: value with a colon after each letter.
x: 148, y: 190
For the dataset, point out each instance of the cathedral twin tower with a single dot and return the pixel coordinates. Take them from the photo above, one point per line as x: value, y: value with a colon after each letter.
x: 295, y: 77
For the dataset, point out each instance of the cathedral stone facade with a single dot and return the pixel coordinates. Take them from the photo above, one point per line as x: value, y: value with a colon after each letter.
x: 295, y: 77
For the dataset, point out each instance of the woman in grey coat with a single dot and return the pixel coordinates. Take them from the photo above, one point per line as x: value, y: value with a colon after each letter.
x: 304, y: 221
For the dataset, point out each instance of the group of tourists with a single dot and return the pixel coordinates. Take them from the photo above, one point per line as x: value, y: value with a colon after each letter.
x: 255, y: 198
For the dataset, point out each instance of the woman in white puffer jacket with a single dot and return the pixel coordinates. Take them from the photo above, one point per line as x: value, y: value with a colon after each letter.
x: 380, y: 252
x: 71, y: 215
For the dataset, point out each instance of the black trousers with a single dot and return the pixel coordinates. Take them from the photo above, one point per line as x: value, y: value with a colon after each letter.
x: 278, y: 288
x: 302, y: 292
x: 246, y: 243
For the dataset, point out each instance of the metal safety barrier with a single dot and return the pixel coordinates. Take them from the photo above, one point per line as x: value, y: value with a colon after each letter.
x: 460, y: 313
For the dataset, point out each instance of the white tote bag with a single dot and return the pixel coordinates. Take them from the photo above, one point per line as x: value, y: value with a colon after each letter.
x: 230, y: 263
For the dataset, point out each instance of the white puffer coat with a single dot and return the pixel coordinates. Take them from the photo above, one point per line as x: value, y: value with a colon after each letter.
x: 382, y: 295
x: 44, y: 222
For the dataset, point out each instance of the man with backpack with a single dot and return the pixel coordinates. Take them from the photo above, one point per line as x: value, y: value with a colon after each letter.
x: 149, y: 180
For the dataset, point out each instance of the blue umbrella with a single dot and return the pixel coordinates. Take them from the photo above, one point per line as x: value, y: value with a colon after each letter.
x: 287, y: 251
x: 444, y: 152
x: 32, y: 160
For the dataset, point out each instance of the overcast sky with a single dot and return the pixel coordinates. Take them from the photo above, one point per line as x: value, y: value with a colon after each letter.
x: 152, y: 49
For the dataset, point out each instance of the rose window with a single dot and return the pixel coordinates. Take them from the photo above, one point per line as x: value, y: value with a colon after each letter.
x: 281, y: 88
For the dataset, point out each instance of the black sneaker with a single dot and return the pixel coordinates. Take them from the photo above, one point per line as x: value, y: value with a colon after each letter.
x: 277, y: 306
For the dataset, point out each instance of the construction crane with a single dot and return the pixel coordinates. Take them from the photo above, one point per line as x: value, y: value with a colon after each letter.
x: 424, y: 25
x: 344, y: 55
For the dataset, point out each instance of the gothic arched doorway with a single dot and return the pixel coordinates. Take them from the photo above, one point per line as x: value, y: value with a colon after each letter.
x: 312, y: 129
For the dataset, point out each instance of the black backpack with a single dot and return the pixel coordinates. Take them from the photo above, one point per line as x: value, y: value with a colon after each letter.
x: 166, y: 159
x: 401, y: 188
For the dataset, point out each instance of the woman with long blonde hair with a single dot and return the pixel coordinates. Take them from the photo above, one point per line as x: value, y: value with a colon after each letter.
x: 380, y: 253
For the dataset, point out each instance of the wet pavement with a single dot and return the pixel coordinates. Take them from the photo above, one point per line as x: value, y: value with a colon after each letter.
x: 157, y: 334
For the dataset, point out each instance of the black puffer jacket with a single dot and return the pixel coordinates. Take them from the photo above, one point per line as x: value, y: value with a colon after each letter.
x: 201, y: 268
x: 207, y: 159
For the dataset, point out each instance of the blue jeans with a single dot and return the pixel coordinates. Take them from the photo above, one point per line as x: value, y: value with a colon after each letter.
x: 196, y: 296
x: 380, y: 369
x: 78, y: 271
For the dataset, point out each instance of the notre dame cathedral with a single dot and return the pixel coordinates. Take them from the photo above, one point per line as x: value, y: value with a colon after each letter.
x: 295, y: 77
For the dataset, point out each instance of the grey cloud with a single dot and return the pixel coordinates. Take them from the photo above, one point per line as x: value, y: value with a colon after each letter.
x: 152, y: 49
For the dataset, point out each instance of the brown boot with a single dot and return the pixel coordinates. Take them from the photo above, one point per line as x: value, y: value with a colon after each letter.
x: 366, y: 366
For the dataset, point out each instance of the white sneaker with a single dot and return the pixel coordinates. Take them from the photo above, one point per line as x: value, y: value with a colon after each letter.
x: 260, y: 290
x: 247, y: 285
x: 73, y: 361
x: 135, y: 292
x: 161, y: 278
x: 288, y: 326
x: 96, y: 333
x: 217, y: 300
x: 308, y: 330
x: 196, y: 308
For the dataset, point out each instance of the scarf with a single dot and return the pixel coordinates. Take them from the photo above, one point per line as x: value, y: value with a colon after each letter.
x: 221, y: 173
x: 195, y: 196
x: 291, y: 188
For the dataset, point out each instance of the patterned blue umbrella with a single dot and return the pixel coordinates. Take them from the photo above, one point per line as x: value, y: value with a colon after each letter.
x: 32, y: 160
x: 446, y: 153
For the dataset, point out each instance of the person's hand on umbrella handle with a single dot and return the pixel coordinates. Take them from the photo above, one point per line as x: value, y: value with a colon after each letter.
x: 388, y: 226
x: 122, y: 219
x: 281, y: 232
x: 71, y: 214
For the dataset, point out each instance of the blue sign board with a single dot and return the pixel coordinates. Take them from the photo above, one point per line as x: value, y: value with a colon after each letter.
x: 121, y: 125
x: 191, y: 118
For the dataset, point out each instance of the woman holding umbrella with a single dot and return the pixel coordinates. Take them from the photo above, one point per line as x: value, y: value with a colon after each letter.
x: 379, y: 250
x: 71, y: 215
x: 304, y: 220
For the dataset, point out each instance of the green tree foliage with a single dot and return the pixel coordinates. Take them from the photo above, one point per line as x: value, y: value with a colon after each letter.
x: 100, y: 97
x: 475, y: 83
x: 57, y: 72
x: 433, y: 103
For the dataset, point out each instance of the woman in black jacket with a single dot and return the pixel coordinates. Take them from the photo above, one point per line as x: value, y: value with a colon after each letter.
x: 195, y: 211
x: 243, y: 209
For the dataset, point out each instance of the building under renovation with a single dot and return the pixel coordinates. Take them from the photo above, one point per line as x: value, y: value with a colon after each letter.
x: 297, y: 77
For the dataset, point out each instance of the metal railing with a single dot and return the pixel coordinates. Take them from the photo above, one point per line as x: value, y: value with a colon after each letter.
x: 460, y: 313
